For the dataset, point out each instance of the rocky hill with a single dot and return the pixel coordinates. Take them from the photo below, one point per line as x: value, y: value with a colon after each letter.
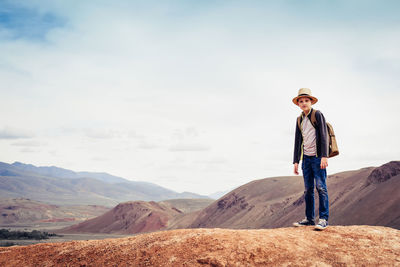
x: 277, y: 202
x: 336, y: 246
x: 265, y: 203
x: 141, y: 216
x: 129, y: 218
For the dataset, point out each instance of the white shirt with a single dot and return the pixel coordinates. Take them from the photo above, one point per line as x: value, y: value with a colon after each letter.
x: 309, y: 139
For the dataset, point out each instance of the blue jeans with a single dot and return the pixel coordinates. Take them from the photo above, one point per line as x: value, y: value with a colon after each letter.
x: 312, y: 170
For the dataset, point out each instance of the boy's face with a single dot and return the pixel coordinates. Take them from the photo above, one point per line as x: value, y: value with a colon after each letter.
x: 304, y: 103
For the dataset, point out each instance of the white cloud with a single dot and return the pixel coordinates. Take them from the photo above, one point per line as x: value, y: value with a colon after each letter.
x: 30, y: 143
x: 28, y: 150
x: 14, y: 133
x: 102, y: 134
x: 147, y: 145
x: 188, y: 147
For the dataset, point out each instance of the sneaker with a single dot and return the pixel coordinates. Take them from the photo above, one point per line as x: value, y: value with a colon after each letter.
x: 304, y: 222
x: 322, y: 224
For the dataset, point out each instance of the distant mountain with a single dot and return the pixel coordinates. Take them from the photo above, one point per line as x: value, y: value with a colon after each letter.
x: 60, y: 186
x: 45, y: 171
x: 53, y: 171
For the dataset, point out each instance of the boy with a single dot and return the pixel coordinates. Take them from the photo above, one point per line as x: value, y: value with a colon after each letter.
x: 311, y: 146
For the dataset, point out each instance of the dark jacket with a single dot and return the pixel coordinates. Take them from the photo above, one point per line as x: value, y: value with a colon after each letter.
x: 321, y: 134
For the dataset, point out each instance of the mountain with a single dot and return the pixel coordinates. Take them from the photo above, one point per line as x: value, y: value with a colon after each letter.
x: 22, y: 211
x: 335, y: 246
x: 257, y: 204
x: 268, y: 203
x: 128, y: 218
x: 377, y: 200
x: 264, y: 203
x: 367, y: 196
x: 60, y: 186
x: 53, y: 171
x: 138, y: 216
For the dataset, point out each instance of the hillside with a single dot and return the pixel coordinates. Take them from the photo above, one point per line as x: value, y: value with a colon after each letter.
x: 279, y: 201
x: 140, y: 216
x: 59, y: 186
x: 22, y: 211
x: 128, y: 218
x: 336, y: 246
x: 189, y: 205
x: 265, y: 203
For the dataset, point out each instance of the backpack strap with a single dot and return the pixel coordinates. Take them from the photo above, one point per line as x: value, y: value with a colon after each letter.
x: 313, y: 118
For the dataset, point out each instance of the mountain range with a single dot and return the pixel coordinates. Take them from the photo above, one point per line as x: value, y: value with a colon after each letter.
x: 60, y: 186
x: 368, y: 196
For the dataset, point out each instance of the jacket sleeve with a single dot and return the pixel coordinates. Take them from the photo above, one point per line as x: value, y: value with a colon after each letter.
x: 323, y: 131
x: 297, y: 145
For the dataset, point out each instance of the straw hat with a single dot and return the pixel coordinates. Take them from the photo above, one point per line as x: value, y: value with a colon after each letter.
x: 305, y: 92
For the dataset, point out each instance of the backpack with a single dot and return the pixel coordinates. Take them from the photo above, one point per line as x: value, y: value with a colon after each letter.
x: 333, y: 148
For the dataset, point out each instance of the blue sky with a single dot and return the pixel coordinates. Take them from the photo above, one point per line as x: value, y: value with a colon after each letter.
x: 27, y: 23
x: 195, y: 95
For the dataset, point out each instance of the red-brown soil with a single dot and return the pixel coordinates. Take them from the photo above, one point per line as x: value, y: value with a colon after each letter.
x: 128, y: 218
x: 336, y: 246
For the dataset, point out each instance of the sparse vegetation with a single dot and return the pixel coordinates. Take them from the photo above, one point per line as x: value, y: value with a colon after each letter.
x: 16, y: 235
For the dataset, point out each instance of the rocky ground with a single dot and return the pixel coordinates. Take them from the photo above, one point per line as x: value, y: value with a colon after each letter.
x: 336, y: 246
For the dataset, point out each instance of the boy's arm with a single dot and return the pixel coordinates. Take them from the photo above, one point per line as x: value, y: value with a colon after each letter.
x: 297, y: 149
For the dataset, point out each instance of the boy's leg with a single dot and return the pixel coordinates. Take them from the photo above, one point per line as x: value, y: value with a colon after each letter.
x: 320, y: 180
x: 308, y: 176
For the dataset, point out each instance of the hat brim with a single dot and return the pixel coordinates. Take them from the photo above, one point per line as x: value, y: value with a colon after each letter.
x: 313, y: 99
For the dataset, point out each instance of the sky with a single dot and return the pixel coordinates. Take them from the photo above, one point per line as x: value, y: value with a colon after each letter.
x: 195, y: 95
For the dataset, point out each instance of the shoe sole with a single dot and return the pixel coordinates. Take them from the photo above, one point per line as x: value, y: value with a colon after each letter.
x: 302, y: 225
x: 320, y: 228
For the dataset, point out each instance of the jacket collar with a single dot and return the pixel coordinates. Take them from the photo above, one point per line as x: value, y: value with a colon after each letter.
x: 308, y: 115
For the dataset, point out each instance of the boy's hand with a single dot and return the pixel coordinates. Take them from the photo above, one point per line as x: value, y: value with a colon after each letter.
x: 296, y: 169
x: 324, y: 163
